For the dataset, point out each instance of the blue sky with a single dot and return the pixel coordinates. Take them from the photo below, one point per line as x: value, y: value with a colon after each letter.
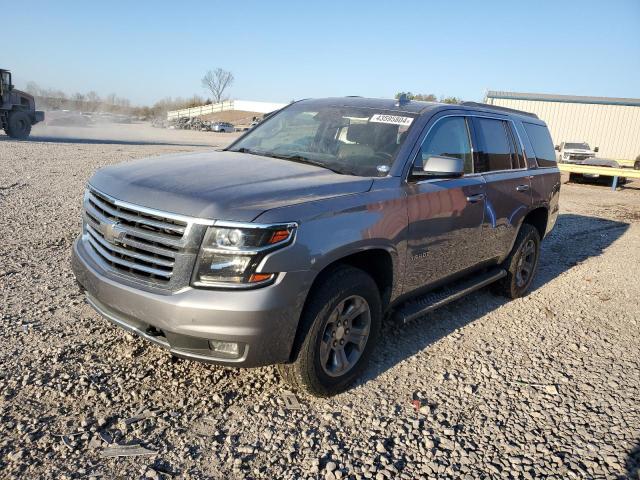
x: 279, y: 51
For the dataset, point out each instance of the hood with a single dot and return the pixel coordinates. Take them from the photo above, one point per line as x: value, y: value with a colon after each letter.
x: 577, y: 150
x: 20, y: 93
x: 222, y: 185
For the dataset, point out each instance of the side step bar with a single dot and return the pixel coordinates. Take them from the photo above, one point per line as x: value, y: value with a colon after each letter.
x: 422, y: 305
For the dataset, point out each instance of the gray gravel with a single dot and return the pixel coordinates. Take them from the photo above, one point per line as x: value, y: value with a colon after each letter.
x: 547, y: 385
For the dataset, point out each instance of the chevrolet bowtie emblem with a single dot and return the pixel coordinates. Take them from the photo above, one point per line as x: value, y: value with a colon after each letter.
x: 111, y: 231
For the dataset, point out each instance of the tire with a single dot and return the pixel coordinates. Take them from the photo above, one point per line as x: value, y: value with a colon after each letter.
x: 523, y: 258
x: 18, y: 125
x: 317, y: 363
x: 636, y: 166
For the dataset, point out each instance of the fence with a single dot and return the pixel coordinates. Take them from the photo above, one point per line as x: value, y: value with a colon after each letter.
x: 243, y: 105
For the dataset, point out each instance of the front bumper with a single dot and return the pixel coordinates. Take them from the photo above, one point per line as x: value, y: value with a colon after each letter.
x: 263, y: 321
x: 38, y: 116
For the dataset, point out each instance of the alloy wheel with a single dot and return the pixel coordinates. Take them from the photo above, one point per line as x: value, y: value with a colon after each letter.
x: 345, y: 336
x: 526, y: 263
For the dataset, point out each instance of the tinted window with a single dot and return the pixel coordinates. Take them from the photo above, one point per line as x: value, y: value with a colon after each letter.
x: 495, y: 146
x: 582, y: 146
x: 448, y: 138
x: 542, y: 144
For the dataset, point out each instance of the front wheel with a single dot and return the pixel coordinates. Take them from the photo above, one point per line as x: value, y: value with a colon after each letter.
x: 339, y: 329
x: 18, y: 125
x: 521, y: 264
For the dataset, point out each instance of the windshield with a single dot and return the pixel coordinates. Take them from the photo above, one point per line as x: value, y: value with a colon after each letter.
x: 5, y: 80
x: 347, y: 140
x: 582, y: 146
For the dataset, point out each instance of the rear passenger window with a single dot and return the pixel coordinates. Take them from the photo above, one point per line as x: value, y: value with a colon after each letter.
x: 449, y: 137
x: 495, y: 149
x: 542, y: 144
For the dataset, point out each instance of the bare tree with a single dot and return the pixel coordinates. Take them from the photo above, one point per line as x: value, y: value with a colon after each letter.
x: 93, y: 101
x: 217, y: 81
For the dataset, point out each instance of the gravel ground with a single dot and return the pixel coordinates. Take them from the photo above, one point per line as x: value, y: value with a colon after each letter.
x: 544, y: 386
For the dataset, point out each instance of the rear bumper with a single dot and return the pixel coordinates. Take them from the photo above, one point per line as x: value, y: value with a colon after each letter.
x: 263, y: 321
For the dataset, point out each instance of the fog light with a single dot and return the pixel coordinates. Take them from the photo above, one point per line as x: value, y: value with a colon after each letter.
x: 228, y: 349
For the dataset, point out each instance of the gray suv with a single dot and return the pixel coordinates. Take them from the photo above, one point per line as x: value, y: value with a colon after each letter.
x: 295, y: 243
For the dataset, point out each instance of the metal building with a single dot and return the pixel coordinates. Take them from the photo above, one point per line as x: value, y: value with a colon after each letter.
x: 612, y: 124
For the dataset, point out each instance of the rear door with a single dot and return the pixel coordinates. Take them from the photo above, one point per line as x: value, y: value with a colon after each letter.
x: 445, y: 215
x: 499, y: 158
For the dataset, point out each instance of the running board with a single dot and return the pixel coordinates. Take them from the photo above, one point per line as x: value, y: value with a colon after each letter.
x: 422, y: 305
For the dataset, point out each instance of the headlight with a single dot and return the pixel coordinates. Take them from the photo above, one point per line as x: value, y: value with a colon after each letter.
x: 231, y: 253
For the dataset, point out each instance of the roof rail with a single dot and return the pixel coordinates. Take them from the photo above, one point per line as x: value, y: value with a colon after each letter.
x: 502, y: 109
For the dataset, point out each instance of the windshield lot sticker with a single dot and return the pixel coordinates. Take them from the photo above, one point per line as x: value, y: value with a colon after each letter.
x: 392, y: 119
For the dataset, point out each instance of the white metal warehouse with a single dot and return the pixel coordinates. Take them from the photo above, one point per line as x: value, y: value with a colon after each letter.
x: 612, y: 124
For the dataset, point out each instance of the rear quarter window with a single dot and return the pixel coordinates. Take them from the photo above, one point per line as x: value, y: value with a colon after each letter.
x: 542, y: 144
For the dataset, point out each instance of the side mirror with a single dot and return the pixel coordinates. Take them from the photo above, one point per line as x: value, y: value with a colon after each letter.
x: 596, y: 149
x: 437, y: 166
x: 557, y: 147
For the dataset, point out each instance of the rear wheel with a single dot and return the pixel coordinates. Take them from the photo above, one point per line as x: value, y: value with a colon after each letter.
x: 339, y: 328
x: 18, y: 125
x: 522, y: 263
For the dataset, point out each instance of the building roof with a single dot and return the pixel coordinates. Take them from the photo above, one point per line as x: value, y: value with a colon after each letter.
x: 548, y: 97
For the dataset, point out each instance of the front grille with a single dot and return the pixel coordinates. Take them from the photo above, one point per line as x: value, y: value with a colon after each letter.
x: 575, y: 156
x: 135, y: 241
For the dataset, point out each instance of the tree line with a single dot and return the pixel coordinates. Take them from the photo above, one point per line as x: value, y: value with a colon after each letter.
x: 217, y: 82
x: 91, y: 102
x: 429, y: 97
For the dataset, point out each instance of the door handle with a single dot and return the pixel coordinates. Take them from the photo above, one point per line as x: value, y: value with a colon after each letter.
x: 475, y: 198
x: 522, y: 188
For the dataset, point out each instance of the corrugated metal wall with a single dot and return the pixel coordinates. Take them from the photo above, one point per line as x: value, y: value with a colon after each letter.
x: 615, y: 129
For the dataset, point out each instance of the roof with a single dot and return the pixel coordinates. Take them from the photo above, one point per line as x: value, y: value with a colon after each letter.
x: 414, y: 106
x: 548, y: 97
x: 418, y: 107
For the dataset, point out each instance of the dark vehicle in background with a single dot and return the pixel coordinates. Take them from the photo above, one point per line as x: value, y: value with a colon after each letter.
x: 294, y: 244
x: 596, y: 177
x: 17, y: 109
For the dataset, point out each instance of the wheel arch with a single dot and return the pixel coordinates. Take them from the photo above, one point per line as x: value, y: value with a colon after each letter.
x: 376, y: 261
x: 538, y: 218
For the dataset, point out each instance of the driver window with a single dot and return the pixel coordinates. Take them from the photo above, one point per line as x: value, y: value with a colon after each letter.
x: 449, y: 137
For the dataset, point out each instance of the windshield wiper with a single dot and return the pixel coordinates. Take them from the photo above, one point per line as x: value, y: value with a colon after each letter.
x: 292, y: 158
x: 302, y: 159
x: 246, y: 150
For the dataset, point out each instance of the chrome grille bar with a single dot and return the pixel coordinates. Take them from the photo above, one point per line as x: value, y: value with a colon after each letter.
x: 140, y: 243
x: 122, y: 214
x: 129, y: 253
x: 138, y: 232
x: 125, y: 263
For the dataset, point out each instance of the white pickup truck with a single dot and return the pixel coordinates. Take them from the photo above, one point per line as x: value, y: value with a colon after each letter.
x: 575, y: 152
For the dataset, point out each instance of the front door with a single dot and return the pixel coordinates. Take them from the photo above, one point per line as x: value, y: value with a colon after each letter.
x: 445, y: 215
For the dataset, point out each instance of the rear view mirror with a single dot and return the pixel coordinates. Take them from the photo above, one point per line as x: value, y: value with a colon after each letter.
x: 557, y: 147
x: 440, y: 167
x: 596, y: 149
